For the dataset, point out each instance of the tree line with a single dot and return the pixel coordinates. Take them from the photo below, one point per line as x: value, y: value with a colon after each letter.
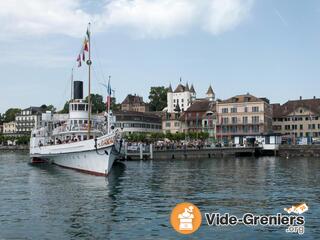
x: 157, y: 102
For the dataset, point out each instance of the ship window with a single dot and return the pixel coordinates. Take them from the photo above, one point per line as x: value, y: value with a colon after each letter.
x: 85, y: 121
x: 76, y: 107
x: 81, y: 107
x: 75, y: 122
x: 72, y: 107
x: 84, y: 137
x: 80, y: 122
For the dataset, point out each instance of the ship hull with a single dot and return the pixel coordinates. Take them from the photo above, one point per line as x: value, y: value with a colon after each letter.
x: 82, y: 156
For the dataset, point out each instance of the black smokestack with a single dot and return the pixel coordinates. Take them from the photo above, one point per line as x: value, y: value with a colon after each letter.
x: 77, y: 90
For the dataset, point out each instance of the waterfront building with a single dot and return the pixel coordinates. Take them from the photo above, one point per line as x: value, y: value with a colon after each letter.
x: 137, y: 122
x: 297, y: 118
x: 171, y: 122
x: 201, y: 116
x: 134, y: 103
x: 243, y: 115
x: 9, y: 128
x: 28, y: 119
x: 180, y: 99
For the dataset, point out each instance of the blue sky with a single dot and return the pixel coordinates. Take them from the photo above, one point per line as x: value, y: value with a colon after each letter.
x: 267, y: 48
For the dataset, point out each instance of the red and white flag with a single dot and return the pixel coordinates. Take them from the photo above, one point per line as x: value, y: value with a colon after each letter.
x: 79, y: 60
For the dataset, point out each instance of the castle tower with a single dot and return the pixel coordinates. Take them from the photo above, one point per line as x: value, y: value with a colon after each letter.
x: 187, y: 88
x: 210, y: 94
x: 170, y: 98
x: 193, y: 93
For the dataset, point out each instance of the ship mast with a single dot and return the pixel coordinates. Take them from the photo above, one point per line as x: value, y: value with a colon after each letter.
x: 89, y: 82
x: 71, y: 97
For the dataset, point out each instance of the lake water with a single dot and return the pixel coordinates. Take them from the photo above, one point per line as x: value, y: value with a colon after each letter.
x: 135, y: 201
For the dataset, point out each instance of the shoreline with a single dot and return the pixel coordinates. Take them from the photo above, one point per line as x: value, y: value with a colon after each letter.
x: 15, y: 148
x: 283, y: 151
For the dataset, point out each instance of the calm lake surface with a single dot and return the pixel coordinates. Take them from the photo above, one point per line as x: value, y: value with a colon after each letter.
x: 135, y: 201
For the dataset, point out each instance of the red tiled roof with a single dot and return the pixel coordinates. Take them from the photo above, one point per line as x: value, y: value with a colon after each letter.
x: 244, y: 98
x: 130, y: 99
x: 283, y: 110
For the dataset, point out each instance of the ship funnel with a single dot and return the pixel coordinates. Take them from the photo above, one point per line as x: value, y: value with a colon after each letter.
x: 77, y: 90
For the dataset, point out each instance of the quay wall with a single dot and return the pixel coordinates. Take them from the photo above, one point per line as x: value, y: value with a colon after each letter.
x: 299, y: 151
x: 202, y: 153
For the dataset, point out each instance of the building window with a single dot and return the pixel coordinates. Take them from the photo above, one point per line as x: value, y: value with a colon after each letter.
x: 234, y: 120
x: 225, y: 120
x: 234, y: 129
x: 255, y: 119
x: 255, y: 128
x: 224, y: 129
x: 255, y: 109
x: 167, y: 124
x: 245, y: 120
x: 234, y: 110
x: 245, y: 109
x: 301, y: 127
x: 224, y: 110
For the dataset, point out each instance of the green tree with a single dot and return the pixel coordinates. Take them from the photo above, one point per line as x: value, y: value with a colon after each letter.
x: 51, y: 108
x: 10, y: 114
x: 114, y: 105
x: 203, y: 135
x: 158, y: 98
x: 98, y: 105
x: 23, y: 140
x: 65, y: 108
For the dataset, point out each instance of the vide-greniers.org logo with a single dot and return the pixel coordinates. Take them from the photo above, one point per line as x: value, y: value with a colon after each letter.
x: 295, y: 223
x: 186, y: 219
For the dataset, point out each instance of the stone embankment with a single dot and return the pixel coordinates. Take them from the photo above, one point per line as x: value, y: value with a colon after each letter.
x: 299, y: 151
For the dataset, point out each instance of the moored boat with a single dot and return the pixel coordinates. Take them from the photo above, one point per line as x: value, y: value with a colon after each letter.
x: 82, y: 142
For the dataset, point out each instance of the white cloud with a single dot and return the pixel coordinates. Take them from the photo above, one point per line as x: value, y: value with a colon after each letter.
x: 142, y: 18
x: 41, y: 17
x: 224, y: 15
x: 156, y: 18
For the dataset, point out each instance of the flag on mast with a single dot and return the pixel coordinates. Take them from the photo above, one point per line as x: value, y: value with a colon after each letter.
x: 79, y: 60
x: 85, y: 45
x: 108, y: 96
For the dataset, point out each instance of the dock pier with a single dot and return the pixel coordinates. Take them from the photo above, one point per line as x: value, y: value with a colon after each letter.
x: 146, y: 152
